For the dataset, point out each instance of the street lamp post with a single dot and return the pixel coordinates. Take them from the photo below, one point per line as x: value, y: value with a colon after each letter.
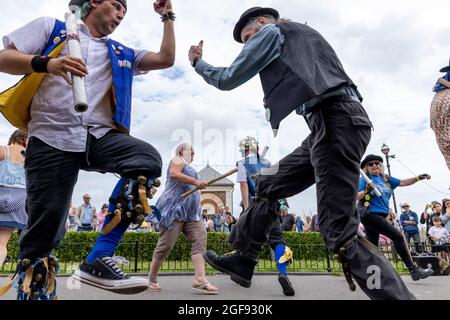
x: 385, y: 150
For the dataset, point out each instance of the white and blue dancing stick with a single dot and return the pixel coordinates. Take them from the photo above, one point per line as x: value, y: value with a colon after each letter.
x: 73, y: 40
x: 368, y: 181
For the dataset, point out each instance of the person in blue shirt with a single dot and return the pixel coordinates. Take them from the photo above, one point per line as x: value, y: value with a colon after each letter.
x: 410, y: 224
x: 374, y: 210
x: 299, y: 222
x: 300, y: 71
x: 440, y: 110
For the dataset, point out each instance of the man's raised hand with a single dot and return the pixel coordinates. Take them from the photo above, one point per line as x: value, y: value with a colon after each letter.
x: 162, y: 6
x: 196, y: 53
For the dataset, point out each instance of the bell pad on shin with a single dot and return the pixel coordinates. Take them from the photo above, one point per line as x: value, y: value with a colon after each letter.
x: 36, y: 280
x: 132, y: 202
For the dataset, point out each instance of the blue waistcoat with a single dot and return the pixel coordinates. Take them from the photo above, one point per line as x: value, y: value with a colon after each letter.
x: 122, y: 62
x: 253, y: 165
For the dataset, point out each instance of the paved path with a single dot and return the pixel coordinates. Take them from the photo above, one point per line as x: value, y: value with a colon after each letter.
x: 263, y: 288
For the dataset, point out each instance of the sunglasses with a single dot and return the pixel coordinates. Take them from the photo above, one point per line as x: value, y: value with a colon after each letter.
x: 371, y: 164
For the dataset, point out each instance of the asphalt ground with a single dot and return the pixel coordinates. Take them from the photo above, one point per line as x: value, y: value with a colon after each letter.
x: 264, y: 287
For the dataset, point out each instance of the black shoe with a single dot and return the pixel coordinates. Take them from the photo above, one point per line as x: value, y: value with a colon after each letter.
x: 238, y: 267
x: 288, y: 289
x: 105, y: 274
x: 419, y: 273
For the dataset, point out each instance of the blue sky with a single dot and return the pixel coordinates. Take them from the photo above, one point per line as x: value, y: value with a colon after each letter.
x: 391, y: 49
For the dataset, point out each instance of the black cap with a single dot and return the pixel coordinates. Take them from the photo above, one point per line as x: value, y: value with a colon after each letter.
x: 446, y: 69
x: 369, y: 158
x: 249, y: 14
x: 79, y: 3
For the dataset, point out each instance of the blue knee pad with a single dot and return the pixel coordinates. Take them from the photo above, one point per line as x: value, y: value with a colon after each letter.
x: 279, y: 252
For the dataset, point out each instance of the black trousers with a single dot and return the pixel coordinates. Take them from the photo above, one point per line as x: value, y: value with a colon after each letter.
x: 52, y: 174
x: 416, y: 237
x: 330, y: 157
x: 376, y: 225
x: 274, y: 237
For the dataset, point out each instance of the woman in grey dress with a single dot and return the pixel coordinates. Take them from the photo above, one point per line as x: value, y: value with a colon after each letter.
x: 182, y: 215
x: 12, y: 189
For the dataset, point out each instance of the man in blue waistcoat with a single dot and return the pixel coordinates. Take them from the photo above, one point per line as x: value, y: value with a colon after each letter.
x: 301, y: 72
x: 63, y: 141
x: 249, y: 168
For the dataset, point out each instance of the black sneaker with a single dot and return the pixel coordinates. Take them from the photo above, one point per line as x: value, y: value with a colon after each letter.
x: 419, y: 273
x: 105, y: 274
x: 288, y: 289
x: 238, y: 267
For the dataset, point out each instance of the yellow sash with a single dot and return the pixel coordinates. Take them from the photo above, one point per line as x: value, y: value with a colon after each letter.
x: 15, y: 102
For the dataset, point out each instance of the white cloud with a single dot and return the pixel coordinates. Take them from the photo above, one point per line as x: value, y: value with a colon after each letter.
x: 392, y: 50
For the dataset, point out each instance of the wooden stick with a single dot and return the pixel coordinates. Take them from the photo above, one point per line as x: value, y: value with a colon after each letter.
x: 210, y: 182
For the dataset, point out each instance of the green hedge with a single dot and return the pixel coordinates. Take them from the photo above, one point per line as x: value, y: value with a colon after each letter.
x: 76, y: 246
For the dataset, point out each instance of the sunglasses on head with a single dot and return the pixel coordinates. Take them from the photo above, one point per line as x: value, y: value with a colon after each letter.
x: 371, y: 164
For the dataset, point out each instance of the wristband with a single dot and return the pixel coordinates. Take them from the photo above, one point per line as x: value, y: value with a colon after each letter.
x: 40, y: 63
x: 169, y: 15
x: 422, y: 177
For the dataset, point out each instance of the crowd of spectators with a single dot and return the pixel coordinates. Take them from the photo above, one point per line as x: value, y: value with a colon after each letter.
x: 427, y: 232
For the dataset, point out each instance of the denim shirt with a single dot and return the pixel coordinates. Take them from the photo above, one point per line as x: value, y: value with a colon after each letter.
x: 409, y: 216
x: 263, y: 48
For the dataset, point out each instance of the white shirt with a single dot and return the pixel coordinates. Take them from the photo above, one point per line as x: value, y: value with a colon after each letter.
x: 53, y: 118
x: 442, y: 234
x: 241, y: 174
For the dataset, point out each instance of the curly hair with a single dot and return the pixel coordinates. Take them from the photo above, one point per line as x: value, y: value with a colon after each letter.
x: 19, y: 137
x: 86, y: 8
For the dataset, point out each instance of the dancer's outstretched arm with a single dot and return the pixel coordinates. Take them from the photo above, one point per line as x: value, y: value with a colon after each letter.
x: 411, y: 181
x: 165, y: 58
x: 264, y: 47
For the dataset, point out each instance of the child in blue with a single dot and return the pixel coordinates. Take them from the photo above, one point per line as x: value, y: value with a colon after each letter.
x: 376, y: 209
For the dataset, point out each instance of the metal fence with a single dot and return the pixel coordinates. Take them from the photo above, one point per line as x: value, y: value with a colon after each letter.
x: 308, y: 258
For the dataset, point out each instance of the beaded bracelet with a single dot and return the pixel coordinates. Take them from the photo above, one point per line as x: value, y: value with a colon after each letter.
x: 168, y: 16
